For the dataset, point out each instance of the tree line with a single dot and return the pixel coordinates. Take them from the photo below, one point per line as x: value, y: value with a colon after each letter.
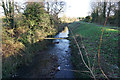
x: 101, y: 10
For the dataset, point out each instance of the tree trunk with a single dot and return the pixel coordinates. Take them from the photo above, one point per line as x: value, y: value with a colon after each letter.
x: 119, y: 14
x: 109, y: 9
x: 104, y: 10
x: 9, y: 12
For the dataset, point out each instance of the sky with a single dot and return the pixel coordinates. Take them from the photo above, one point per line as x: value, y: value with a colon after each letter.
x: 74, y: 8
x: 77, y: 8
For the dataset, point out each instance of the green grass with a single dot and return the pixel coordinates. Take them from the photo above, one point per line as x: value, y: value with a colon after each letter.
x: 90, y: 34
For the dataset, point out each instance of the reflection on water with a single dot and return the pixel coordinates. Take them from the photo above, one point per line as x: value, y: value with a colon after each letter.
x: 62, y: 51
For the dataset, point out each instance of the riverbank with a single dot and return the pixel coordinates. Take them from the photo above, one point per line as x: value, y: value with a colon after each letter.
x: 88, y: 35
x: 46, y: 63
x: 20, y: 53
x: 18, y: 62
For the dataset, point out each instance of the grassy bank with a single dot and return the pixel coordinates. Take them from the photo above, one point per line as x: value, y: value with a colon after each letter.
x: 88, y: 36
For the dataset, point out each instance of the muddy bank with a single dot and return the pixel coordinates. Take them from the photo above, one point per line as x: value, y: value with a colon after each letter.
x: 43, y: 66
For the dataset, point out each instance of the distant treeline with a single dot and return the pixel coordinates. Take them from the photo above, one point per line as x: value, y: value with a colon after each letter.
x: 101, y: 10
x: 66, y: 19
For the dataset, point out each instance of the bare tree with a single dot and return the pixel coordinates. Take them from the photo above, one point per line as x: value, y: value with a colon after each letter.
x: 8, y: 7
x: 104, y: 9
x: 118, y: 14
x: 55, y: 7
x: 109, y: 9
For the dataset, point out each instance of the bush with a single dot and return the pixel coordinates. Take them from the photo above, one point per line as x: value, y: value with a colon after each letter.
x: 20, y: 43
x: 88, y: 19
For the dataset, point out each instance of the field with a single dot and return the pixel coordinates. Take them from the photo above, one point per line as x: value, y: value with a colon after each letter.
x: 88, y: 37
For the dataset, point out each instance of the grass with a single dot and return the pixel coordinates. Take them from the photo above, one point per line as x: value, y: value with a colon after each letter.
x: 90, y: 34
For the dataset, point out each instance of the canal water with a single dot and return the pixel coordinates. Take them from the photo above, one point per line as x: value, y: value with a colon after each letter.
x: 62, y: 51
